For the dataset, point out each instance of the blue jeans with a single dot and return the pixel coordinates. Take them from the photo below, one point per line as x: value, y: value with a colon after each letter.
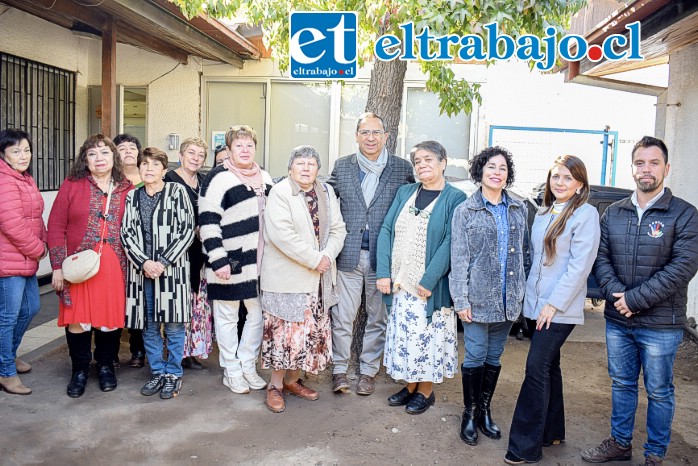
x: 153, y: 341
x: 484, y: 343
x: 19, y: 303
x: 653, y: 350
x: 539, y: 416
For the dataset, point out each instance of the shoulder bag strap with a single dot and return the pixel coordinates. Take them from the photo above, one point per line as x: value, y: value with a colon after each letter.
x: 104, y: 218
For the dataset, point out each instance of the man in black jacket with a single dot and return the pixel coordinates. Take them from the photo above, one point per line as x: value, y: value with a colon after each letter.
x: 647, y: 256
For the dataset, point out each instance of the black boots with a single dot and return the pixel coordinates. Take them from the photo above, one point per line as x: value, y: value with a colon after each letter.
x: 106, y: 350
x: 472, y: 381
x: 79, y: 348
x: 484, y: 419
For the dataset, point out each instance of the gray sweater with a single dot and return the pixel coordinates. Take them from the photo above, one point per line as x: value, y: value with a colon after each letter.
x: 563, y: 283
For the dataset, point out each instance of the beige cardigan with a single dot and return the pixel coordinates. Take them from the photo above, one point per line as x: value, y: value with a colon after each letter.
x: 291, y: 250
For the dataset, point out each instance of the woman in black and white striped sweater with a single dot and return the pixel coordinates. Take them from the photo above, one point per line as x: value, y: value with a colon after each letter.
x: 231, y: 219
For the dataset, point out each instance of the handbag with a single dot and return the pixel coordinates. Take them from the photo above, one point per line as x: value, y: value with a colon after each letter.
x: 82, y: 266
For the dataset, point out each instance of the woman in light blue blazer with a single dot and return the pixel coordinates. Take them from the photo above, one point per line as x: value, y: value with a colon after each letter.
x: 564, y: 243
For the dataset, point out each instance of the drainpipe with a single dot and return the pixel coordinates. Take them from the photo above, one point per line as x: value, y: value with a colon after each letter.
x: 691, y: 329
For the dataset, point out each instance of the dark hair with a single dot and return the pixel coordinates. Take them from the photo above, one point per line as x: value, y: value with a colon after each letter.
x: 11, y: 137
x: 152, y: 153
x: 579, y: 172
x: 649, y: 141
x: 120, y: 138
x: 363, y: 116
x: 219, y: 148
x: 432, y: 147
x: 477, y: 164
x: 79, y: 169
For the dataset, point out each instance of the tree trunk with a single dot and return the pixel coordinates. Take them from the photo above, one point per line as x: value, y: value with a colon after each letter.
x: 385, y: 100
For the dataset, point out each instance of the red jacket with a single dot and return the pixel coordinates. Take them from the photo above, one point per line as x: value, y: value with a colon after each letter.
x: 22, y: 229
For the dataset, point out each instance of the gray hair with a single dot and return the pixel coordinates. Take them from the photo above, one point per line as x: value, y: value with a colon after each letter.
x: 304, y: 152
x: 430, y: 146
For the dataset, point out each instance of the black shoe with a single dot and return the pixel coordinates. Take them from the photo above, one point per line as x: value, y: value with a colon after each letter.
x: 192, y: 363
x: 419, y: 403
x: 153, y: 385
x: 170, y: 387
x: 76, y: 387
x: 472, y: 384
x: 400, y: 398
x: 487, y: 426
x: 137, y: 360
x: 107, y: 378
x: 511, y: 458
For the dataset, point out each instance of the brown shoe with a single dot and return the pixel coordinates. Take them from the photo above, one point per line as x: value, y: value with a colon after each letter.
x: 608, y: 450
x: 22, y: 366
x: 340, y: 383
x: 14, y: 386
x: 366, y: 385
x: 651, y: 460
x: 275, y: 400
x: 301, y: 391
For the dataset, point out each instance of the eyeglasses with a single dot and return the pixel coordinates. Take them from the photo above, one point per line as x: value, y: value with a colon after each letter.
x: 364, y: 133
x: 237, y: 128
x: 422, y: 213
x: 219, y: 148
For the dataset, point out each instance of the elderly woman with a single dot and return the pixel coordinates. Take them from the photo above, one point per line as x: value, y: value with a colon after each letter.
x: 231, y: 218
x: 413, y: 262
x: 129, y: 148
x: 157, y: 230
x: 489, y: 260
x: 95, y: 186
x: 564, y: 242
x: 192, y: 154
x: 22, y: 246
x: 304, y: 233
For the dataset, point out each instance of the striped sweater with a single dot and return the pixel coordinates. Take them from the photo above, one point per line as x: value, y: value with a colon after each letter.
x: 229, y: 228
x: 172, y: 233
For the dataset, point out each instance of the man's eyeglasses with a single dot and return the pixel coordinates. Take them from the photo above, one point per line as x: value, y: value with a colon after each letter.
x: 422, y: 213
x: 376, y: 133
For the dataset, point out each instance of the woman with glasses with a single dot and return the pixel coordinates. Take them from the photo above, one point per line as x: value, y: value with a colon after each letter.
x: 413, y: 258
x: 489, y: 260
x: 220, y: 153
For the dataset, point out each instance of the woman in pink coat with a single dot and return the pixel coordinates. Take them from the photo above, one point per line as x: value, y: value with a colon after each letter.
x: 22, y: 246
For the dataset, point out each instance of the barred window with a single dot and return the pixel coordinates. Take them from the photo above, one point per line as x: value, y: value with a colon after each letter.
x: 40, y: 99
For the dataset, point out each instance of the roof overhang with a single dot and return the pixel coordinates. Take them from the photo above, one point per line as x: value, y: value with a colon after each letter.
x: 155, y: 25
x: 666, y: 27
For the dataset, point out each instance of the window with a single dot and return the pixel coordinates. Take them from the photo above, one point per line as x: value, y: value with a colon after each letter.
x: 40, y: 99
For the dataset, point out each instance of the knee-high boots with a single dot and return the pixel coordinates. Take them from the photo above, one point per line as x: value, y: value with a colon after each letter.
x: 489, y: 383
x: 80, y: 350
x: 472, y: 382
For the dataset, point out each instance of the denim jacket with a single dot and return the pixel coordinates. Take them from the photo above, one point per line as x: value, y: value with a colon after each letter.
x: 475, y: 278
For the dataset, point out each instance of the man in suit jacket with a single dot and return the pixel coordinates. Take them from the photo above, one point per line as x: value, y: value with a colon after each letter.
x: 366, y: 183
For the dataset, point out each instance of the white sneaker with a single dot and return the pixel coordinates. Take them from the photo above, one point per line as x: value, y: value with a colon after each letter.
x: 255, y: 381
x: 236, y: 384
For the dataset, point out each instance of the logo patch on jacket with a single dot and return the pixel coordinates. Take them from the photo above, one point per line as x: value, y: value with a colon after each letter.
x: 656, y: 229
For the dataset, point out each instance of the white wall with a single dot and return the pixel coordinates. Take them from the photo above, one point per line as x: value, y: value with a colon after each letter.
x: 681, y: 136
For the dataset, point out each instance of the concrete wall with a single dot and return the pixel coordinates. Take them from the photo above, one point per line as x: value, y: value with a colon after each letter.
x: 681, y: 136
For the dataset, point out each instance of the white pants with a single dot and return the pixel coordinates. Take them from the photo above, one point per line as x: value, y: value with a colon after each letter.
x: 238, y: 358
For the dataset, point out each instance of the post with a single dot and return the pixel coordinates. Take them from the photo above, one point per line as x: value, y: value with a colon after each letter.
x: 109, y: 79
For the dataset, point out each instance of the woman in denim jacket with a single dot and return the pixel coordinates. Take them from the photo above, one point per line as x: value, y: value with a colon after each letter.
x: 489, y: 260
x: 564, y: 243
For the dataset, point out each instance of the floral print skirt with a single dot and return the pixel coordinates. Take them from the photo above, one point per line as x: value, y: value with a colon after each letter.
x: 415, y: 351
x: 199, y: 336
x: 303, y: 345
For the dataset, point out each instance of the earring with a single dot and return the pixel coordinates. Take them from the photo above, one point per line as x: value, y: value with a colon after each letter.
x: 579, y: 191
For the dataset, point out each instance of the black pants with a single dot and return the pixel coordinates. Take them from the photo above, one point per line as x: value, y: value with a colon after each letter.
x: 540, y: 410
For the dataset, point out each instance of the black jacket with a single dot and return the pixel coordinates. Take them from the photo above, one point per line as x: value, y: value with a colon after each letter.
x: 651, y: 261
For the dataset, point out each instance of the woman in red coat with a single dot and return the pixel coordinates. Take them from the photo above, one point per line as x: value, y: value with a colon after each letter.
x: 77, y: 223
x: 22, y: 246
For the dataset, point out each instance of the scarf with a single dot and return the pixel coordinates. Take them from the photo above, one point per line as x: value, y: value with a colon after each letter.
x: 373, y: 171
x: 252, y: 178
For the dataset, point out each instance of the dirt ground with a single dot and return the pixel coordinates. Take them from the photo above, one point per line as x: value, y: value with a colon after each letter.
x: 208, y: 424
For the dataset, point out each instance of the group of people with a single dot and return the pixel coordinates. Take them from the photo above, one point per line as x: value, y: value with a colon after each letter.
x: 181, y: 253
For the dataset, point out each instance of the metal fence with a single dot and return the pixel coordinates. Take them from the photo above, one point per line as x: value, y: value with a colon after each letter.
x: 40, y: 99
